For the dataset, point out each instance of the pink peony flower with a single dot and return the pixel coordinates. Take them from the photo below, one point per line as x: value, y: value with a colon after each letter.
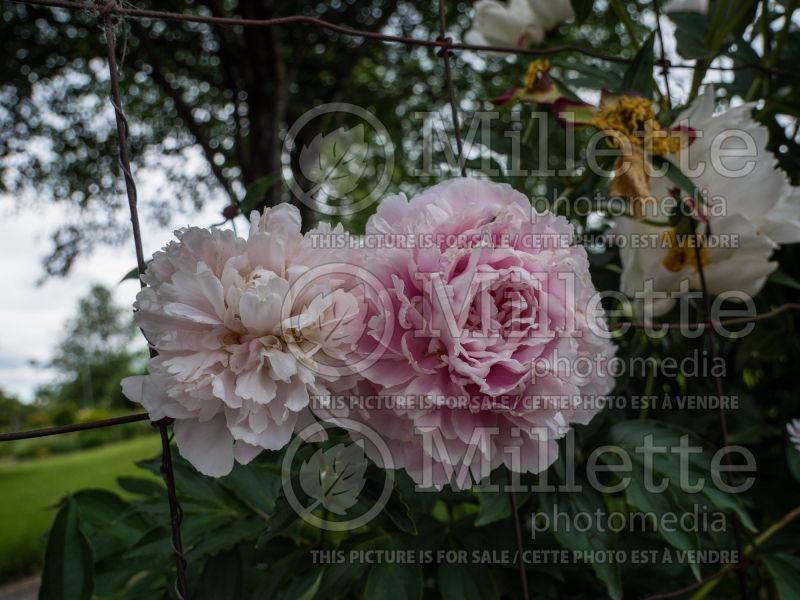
x: 239, y: 343
x: 491, y: 314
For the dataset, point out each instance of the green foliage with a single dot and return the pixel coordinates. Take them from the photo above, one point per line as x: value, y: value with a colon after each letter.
x: 242, y: 539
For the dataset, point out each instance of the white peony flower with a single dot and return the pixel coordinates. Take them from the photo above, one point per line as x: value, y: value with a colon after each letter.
x: 518, y: 24
x: 699, y: 6
x: 760, y: 210
x: 238, y: 342
x: 793, y: 428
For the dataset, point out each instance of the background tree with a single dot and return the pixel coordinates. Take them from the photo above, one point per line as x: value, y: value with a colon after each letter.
x: 94, y: 354
x: 221, y: 98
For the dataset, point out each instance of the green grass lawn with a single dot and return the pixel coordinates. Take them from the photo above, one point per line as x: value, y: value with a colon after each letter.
x: 30, y: 489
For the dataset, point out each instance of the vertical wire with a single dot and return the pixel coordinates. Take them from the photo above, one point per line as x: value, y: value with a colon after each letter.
x: 665, y: 64
x: 176, y: 514
x: 444, y: 53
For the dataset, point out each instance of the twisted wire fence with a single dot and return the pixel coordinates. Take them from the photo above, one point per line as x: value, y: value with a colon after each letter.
x: 109, y: 15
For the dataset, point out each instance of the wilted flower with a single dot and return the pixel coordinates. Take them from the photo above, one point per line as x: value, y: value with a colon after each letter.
x: 539, y: 87
x: 491, y: 311
x: 518, y: 24
x: 757, y: 209
x: 238, y: 341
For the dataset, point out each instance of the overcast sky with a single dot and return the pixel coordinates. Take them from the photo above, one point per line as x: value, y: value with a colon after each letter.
x: 32, y: 317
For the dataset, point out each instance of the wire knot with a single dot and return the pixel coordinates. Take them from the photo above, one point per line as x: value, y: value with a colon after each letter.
x: 446, y: 43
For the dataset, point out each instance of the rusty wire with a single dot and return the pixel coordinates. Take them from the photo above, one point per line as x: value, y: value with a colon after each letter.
x: 113, y: 8
x: 106, y: 19
x: 109, y: 10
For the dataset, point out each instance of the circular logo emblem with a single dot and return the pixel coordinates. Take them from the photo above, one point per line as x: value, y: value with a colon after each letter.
x: 341, y: 170
x: 330, y: 488
x: 326, y: 318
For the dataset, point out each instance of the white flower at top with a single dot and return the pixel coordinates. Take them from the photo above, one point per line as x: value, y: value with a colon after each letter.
x: 237, y: 341
x: 759, y: 210
x: 518, y: 24
x: 700, y: 6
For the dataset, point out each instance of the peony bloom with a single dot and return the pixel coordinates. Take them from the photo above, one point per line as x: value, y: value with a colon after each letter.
x: 751, y: 208
x: 491, y: 313
x: 518, y: 24
x: 239, y: 343
x: 793, y: 428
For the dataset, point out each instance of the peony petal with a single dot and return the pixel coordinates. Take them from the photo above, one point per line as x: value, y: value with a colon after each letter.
x: 208, y: 445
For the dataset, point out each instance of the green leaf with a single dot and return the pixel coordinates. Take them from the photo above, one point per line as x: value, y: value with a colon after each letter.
x: 785, y: 573
x: 793, y: 460
x: 782, y: 278
x: 677, y: 176
x: 68, y: 564
x: 141, y: 486
x: 257, y: 487
x: 221, y: 578
x: 494, y: 506
x: 132, y: 274
x: 589, y: 502
x: 255, y: 193
x: 399, y: 513
x: 465, y: 582
x: 639, y: 76
x: 583, y: 10
x: 392, y: 580
x: 691, y: 35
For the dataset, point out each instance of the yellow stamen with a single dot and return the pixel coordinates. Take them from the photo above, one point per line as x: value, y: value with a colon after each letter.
x: 536, y: 69
x: 682, y: 251
x: 635, y: 118
x: 231, y: 339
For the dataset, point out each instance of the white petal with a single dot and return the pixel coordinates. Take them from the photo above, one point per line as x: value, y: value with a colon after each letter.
x: 208, y: 445
x: 244, y: 452
x: 294, y: 395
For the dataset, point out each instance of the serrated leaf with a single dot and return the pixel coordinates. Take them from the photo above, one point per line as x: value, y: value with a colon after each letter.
x: 335, y: 477
x: 335, y: 162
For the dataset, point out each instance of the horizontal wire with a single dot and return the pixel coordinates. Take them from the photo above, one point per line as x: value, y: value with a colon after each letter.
x: 140, y: 13
x: 21, y: 435
x: 35, y: 433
